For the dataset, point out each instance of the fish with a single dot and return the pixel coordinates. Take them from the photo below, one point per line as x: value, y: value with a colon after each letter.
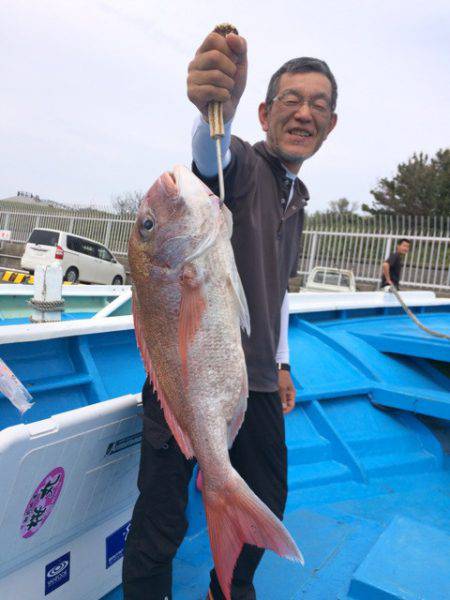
x: 189, y: 307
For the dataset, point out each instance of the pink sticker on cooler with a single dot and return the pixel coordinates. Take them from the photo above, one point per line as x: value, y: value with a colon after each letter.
x: 42, y: 502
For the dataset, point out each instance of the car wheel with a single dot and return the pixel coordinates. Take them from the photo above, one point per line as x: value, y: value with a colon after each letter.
x: 71, y: 275
x: 117, y: 280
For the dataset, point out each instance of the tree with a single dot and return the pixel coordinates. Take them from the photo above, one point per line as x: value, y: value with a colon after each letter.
x: 421, y: 186
x: 342, y: 207
x: 127, y: 204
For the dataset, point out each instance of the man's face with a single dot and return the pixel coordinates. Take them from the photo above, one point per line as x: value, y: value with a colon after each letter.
x: 403, y: 248
x: 294, y: 133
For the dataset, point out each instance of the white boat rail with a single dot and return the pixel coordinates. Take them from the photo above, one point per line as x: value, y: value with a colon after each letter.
x: 298, y: 303
x: 113, y: 305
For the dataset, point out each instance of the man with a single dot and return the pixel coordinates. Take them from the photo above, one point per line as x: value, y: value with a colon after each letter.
x: 392, y: 267
x: 267, y: 201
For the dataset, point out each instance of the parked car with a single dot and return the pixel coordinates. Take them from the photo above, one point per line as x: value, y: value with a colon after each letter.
x: 327, y: 279
x: 81, y: 259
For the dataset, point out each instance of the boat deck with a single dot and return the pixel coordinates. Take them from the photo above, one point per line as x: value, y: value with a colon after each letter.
x: 369, y: 464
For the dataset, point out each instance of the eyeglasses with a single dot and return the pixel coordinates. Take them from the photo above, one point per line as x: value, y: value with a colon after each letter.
x: 293, y: 101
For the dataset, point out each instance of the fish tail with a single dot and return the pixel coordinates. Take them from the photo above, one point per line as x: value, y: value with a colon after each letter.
x: 236, y: 516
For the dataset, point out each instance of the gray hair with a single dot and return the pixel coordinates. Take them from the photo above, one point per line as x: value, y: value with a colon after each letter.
x: 305, y: 64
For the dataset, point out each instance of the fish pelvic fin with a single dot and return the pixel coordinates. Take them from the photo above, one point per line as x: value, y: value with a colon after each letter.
x: 180, y: 436
x: 236, y: 516
x: 192, y: 307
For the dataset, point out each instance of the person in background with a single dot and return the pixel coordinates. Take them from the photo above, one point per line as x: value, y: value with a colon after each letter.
x: 392, y: 267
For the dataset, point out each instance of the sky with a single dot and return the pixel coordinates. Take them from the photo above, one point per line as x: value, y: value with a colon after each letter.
x: 93, y: 93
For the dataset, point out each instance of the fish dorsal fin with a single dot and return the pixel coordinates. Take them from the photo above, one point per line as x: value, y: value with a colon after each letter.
x: 228, y: 219
x: 236, y: 284
x: 180, y: 436
x: 235, y: 280
x: 192, y: 307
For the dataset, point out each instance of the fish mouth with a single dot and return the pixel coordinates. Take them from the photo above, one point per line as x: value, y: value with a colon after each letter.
x: 169, y: 181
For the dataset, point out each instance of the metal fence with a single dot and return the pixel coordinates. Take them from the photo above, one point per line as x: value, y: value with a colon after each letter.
x: 343, y: 241
x: 100, y: 225
x: 361, y: 244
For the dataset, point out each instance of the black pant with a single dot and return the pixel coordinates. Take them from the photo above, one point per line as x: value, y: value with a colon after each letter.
x: 158, y: 525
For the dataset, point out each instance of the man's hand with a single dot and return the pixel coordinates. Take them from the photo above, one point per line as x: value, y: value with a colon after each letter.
x: 286, y: 390
x: 218, y: 72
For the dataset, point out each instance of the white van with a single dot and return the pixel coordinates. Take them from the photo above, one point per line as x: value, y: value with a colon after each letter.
x: 327, y: 279
x: 81, y: 259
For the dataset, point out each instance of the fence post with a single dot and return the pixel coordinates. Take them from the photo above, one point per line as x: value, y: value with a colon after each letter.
x: 387, y: 252
x: 108, y: 232
x: 7, y: 219
x: 71, y: 224
x: 5, y: 226
x: 312, y: 256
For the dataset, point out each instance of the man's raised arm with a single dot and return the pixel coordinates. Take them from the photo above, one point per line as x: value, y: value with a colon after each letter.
x: 217, y: 73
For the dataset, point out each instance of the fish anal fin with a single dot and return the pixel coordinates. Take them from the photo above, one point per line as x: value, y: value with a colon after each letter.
x: 192, y: 307
x: 239, y: 411
x: 236, y: 421
x: 180, y: 436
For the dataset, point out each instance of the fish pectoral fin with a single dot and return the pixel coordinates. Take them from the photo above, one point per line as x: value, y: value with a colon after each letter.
x: 192, y: 307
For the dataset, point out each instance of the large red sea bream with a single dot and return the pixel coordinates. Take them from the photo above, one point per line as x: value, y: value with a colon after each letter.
x: 188, y: 305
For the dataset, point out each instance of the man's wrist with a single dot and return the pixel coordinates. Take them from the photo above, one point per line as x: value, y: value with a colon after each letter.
x: 283, y: 366
x: 203, y: 147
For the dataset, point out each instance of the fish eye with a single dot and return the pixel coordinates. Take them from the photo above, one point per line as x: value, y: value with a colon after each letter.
x: 148, y: 224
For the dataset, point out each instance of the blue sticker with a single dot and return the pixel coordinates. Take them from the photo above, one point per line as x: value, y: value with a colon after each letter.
x: 57, y: 573
x: 115, y: 544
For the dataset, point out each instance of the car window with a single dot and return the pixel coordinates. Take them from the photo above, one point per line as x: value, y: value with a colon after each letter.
x: 331, y: 279
x: 104, y: 254
x: 46, y: 238
x: 73, y: 243
x: 88, y: 248
x: 318, y: 277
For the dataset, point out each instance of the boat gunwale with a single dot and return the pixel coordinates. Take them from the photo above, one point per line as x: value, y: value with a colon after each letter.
x: 78, y: 290
x: 310, y: 303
